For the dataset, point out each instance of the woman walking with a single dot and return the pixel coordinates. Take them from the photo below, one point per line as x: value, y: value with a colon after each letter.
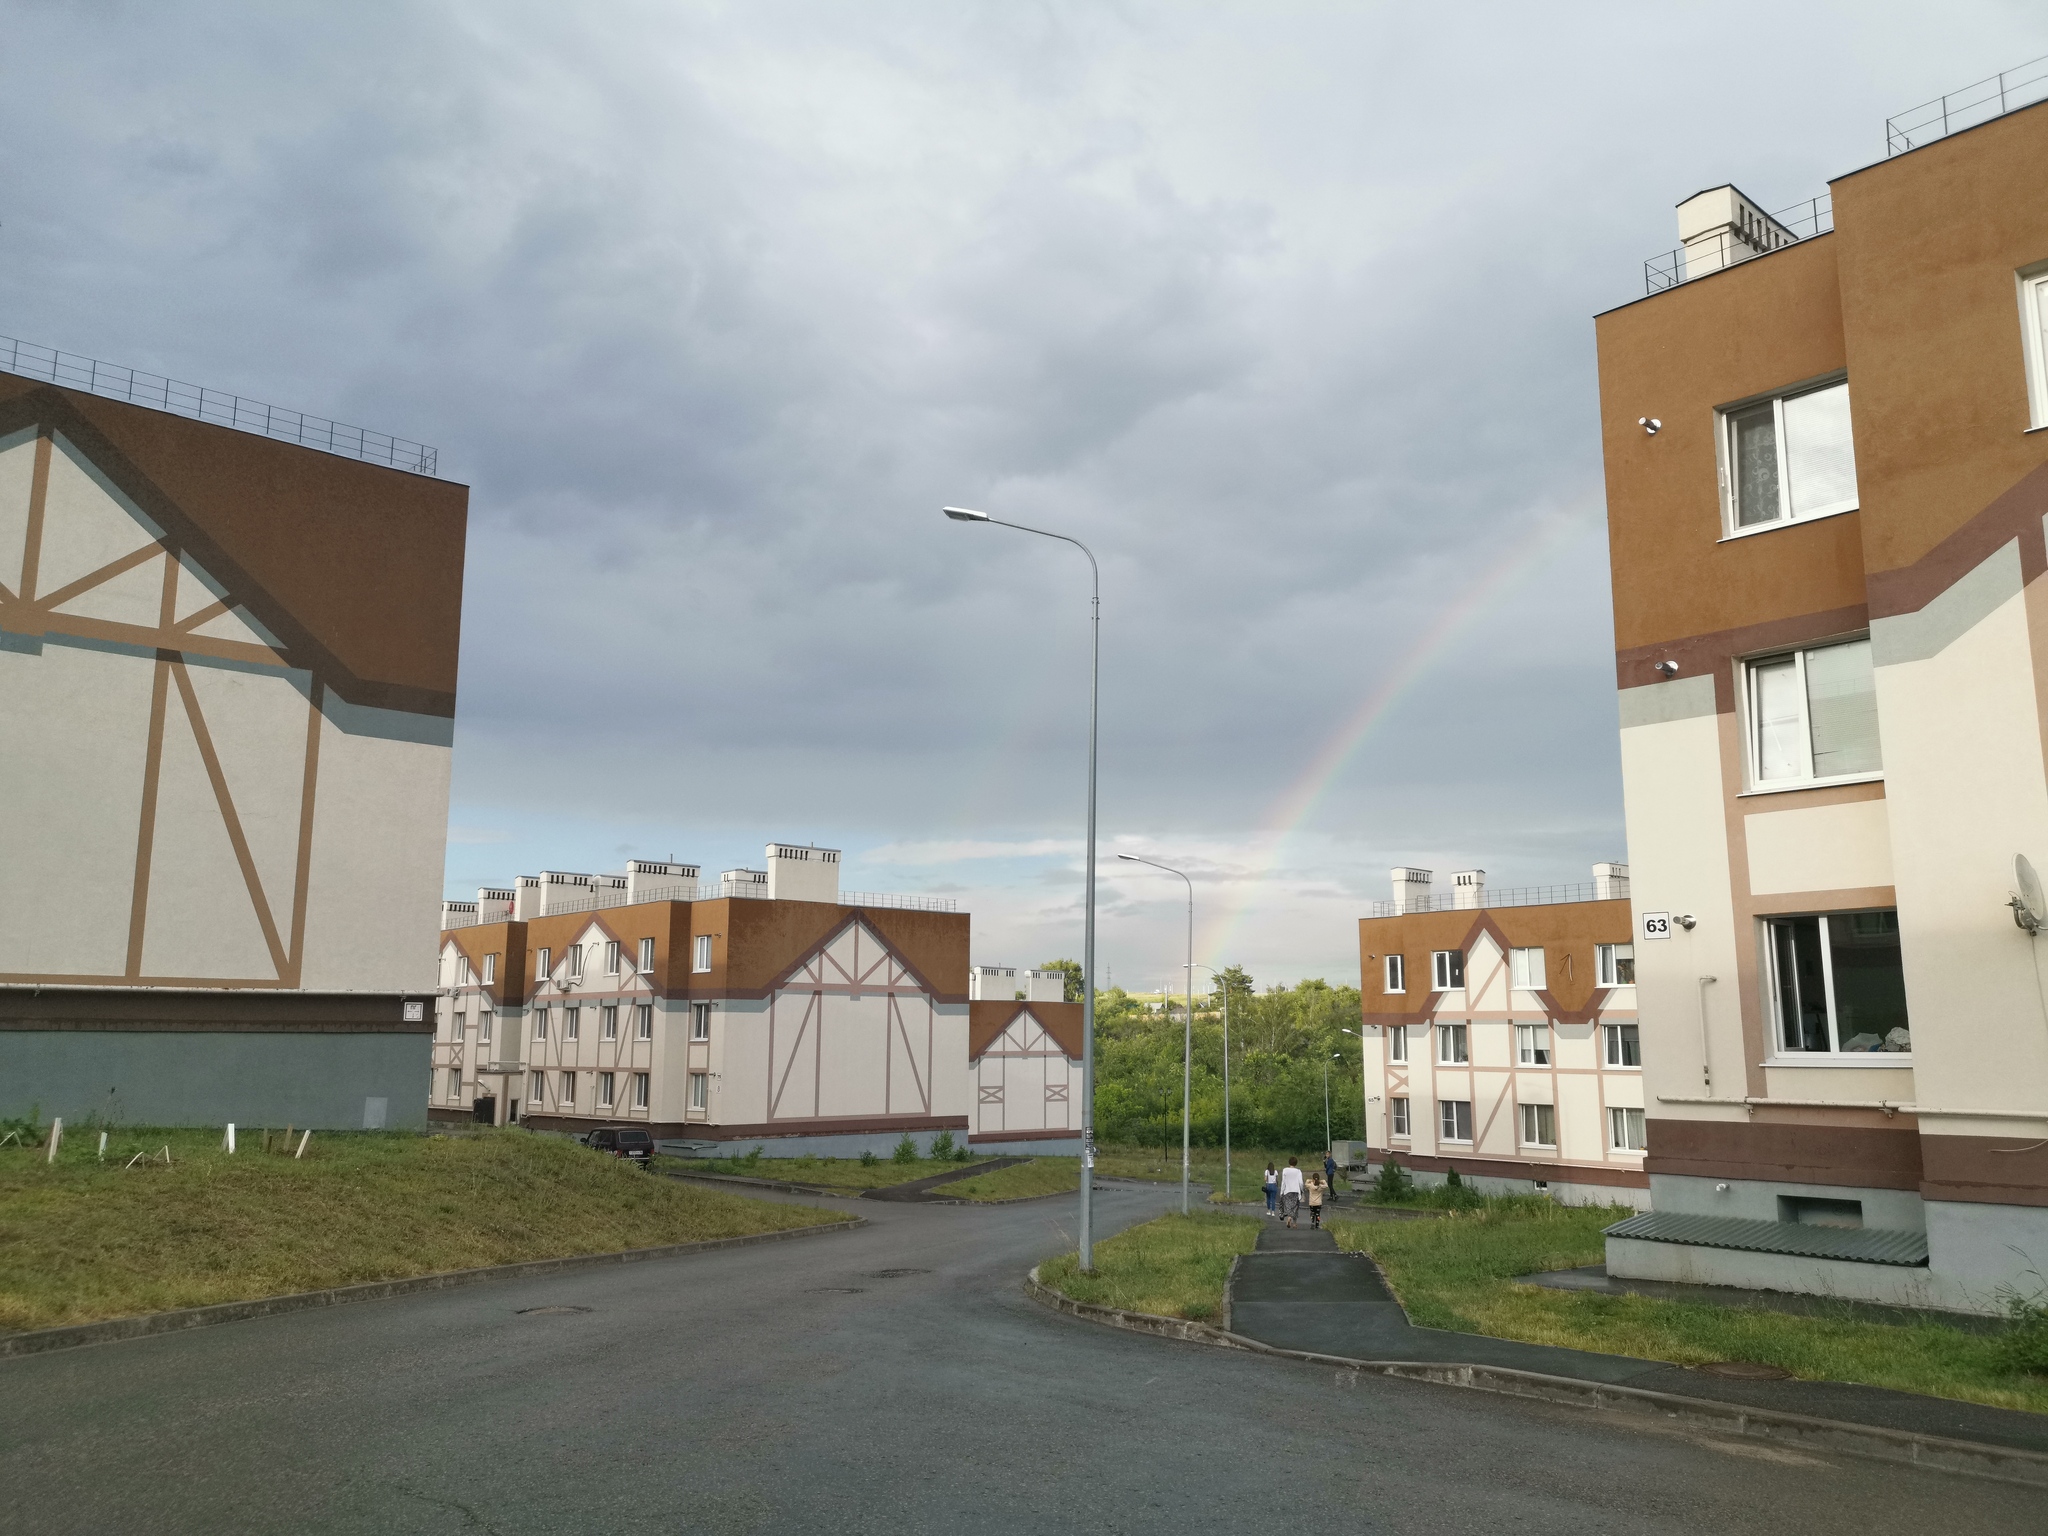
x: 1272, y: 1189
x: 1290, y: 1191
x: 1316, y: 1191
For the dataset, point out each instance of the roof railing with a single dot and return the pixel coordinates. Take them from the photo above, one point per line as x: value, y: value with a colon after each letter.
x: 1804, y: 220
x: 1978, y: 102
x: 712, y: 890
x: 1527, y: 896
x: 116, y: 382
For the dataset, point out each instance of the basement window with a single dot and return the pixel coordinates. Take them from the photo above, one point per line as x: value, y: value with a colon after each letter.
x: 1788, y: 458
x: 1837, y: 983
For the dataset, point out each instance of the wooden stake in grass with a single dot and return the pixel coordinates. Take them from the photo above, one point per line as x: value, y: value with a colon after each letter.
x: 228, y: 1141
x: 103, y: 1146
x: 302, y: 1146
x: 56, y: 1137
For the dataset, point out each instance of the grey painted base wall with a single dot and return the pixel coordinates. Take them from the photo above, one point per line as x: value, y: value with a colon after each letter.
x: 850, y: 1144
x: 314, y: 1080
x: 1563, y: 1192
x: 995, y: 1146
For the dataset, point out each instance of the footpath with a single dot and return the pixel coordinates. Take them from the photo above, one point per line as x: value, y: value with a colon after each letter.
x: 1298, y: 1291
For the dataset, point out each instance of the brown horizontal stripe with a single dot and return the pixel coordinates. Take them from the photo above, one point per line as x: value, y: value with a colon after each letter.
x: 1985, y: 1170
x: 1869, y: 1157
x: 2015, y: 515
x: 1479, y: 1166
x: 243, y: 1011
x: 1714, y: 654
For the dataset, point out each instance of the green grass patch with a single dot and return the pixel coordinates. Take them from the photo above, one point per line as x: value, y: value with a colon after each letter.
x: 84, y: 1239
x: 1020, y: 1181
x: 1457, y: 1273
x: 828, y: 1172
x: 1205, y: 1166
x: 1174, y: 1266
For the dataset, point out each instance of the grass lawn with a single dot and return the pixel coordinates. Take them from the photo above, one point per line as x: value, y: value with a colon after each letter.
x: 84, y: 1239
x: 1205, y: 1166
x: 1040, y: 1176
x: 1172, y: 1267
x: 832, y: 1172
x: 1456, y: 1273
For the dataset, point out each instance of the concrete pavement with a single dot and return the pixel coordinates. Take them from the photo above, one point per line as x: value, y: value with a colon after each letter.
x: 890, y: 1380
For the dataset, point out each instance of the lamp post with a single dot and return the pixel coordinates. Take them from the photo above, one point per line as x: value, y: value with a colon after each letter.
x: 1224, y: 986
x: 1187, y: 1059
x: 1087, y: 1223
x: 1364, y: 1129
x: 1326, y: 1102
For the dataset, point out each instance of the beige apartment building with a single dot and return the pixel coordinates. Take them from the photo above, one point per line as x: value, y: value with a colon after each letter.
x: 1826, y: 453
x: 1501, y: 1037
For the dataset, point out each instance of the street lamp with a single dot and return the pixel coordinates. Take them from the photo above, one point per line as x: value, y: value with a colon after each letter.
x: 1087, y: 1234
x: 1334, y: 1056
x: 1225, y: 988
x: 1364, y: 1129
x: 1187, y: 1059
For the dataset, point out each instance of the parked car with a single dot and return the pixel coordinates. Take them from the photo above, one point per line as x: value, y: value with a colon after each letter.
x: 623, y: 1141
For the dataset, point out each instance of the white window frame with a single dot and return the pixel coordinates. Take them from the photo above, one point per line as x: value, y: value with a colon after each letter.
x: 700, y: 1021
x: 2033, y: 291
x: 1732, y: 527
x: 1780, y: 1052
x: 537, y: 1088
x: 540, y: 1023
x: 700, y: 1091
x: 1396, y: 974
x: 490, y: 969
x: 1447, y: 970
x: 1398, y: 1123
x: 574, y: 956
x: 1447, y: 1118
x: 1532, y: 1045
x: 700, y: 959
x: 1528, y: 970
x: 544, y: 968
x: 611, y: 957
x: 572, y: 1022
x: 566, y: 1095
x: 1532, y: 1127
x: 647, y: 957
x: 1613, y: 1047
x: 608, y: 1021
x: 1605, y: 958
x: 1453, y: 1037
x: 458, y: 1022
x: 607, y: 1084
x: 1397, y: 1042
x: 484, y: 1019
x: 643, y: 1021
x: 455, y: 1082
x: 1754, y: 782
x: 642, y: 1089
x: 1626, y: 1134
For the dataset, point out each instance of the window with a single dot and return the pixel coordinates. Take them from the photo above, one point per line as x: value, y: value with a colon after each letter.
x: 1812, y: 715
x: 1452, y: 1045
x: 700, y: 1021
x: 2034, y: 327
x: 1616, y: 964
x: 1624, y: 1044
x: 700, y: 1091
x: 537, y: 1089
x: 490, y: 969
x: 1397, y: 974
x: 540, y: 1023
x: 1527, y: 970
x: 643, y: 1021
x: 572, y: 1023
x: 608, y: 1018
x: 647, y: 957
x: 483, y: 1024
x: 611, y: 957
x: 574, y: 955
x: 702, y: 960
x: 458, y: 1023
x: 1837, y: 982
x: 1447, y: 969
x: 1788, y: 458
x: 568, y: 1093
x: 1399, y: 1108
x: 455, y: 1082
x: 604, y: 1089
x: 543, y: 967
x: 1454, y: 1119
x: 640, y: 1090
x: 1397, y: 1042
x: 1625, y: 1130
x: 1539, y: 1125
x: 1532, y: 1045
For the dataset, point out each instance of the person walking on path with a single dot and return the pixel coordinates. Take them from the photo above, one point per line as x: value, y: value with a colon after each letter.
x: 1316, y: 1192
x: 1290, y: 1191
x: 1330, y: 1173
x: 1272, y: 1189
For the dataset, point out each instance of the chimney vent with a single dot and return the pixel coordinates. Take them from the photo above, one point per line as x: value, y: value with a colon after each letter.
x: 1411, y: 889
x: 1468, y: 888
x: 1610, y: 882
x: 1720, y: 227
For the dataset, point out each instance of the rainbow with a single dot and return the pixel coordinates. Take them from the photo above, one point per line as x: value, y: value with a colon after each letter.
x: 1294, y: 805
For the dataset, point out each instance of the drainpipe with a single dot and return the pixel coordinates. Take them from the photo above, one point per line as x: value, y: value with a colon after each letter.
x: 1706, y: 1056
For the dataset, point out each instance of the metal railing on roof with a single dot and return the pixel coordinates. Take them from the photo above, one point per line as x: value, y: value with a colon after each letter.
x: 116, y: 382
x: 712, y: 890
x: 1975, y: 103
x: 1526, y: 896
x: 1815, y: 216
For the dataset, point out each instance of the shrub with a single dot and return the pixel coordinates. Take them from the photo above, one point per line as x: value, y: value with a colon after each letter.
x: 868, y: 1158
x: 1392, y: 1183
x: 906, y: 1149
x: 2023, y: 1347
x: 942, y: 1147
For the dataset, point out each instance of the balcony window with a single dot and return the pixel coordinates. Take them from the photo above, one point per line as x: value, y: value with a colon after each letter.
x: 1453, y: 1045
x: 1838, y: 983
x: 1624, y: 1044
x: 1788, y: 458
x: 1616, y: 964
x: 1812, y: 716
x: 1447, y: 969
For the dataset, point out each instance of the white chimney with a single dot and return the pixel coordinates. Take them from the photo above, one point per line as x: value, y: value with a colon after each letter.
x: 1411, y: 889
x: 650, y: 880
x: 457, y: 914
x: 1610, y: 882
x: 743, y: 882
x: 1468, y: 888
x: 561, y: 890
x: 1720, y: 227
x: 802, y: 874
x: 526, y: 899
x: 991, y: 983
x: 1045, y: 986
x: 493, y: 903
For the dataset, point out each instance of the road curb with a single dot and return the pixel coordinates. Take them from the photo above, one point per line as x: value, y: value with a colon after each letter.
x: 1969, y: 1458
x: 72, y: 1336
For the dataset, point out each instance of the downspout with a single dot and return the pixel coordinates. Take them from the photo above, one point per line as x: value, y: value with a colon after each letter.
x: 1706, y: 1054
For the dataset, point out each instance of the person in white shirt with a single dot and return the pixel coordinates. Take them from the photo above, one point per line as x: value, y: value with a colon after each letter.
x: 1290, y: 1191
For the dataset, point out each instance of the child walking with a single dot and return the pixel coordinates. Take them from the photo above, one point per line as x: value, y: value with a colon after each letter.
x: 1316, y: 1190
x: 1272, y: 1189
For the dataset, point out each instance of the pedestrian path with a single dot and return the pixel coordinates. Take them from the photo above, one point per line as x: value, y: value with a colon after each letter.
x: 1297, y: 1290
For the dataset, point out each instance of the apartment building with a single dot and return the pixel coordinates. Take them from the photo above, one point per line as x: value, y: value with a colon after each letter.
x: 1501, y: 1037
x: 1024, y: 1059
x: 765, y: 1008
x: 1826, y: 443
x: 227, y: 696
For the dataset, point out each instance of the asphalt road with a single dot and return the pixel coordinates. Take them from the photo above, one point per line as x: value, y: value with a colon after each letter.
x: 793, y: 1387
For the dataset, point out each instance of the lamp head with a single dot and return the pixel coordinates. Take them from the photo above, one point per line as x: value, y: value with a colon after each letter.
x: 965, y: 515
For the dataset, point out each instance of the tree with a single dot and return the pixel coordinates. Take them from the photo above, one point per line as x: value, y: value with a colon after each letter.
x: 1071, y: 969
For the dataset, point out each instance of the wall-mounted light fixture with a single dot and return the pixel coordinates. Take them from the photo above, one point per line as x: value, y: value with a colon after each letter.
x: 1651, y: 425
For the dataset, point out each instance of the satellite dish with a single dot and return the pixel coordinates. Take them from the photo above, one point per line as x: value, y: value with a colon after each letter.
x: 2029, y: 906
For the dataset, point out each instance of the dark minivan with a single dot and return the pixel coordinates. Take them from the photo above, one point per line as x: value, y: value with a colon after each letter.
x: 623, y: 1141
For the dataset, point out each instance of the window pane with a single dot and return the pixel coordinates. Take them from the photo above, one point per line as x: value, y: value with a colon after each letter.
x: 1753, y: 439
x: 1802, y: 995
x: 1819, y: 454
x: 1842, y: 703
x: 1870, y: 983
x: 1779, y: 724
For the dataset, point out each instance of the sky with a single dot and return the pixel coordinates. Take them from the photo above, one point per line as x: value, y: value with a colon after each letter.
x: 1283, y: 309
